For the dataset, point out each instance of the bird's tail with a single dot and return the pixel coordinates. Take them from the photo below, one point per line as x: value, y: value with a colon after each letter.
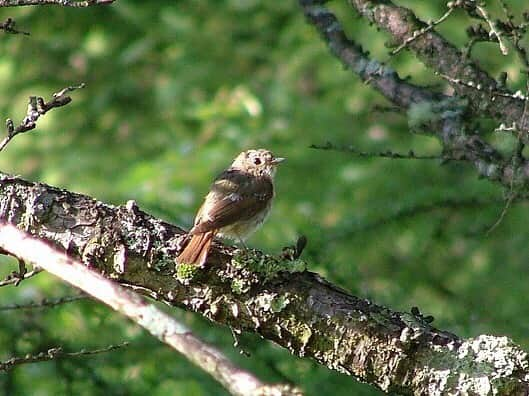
x: 197, y: 249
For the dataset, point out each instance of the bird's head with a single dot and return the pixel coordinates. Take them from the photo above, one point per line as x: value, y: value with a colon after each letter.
x: 258, y: 162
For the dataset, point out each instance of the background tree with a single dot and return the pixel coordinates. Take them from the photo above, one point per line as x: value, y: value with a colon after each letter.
x: 175, y: 90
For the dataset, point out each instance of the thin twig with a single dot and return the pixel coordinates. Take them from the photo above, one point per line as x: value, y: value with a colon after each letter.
x: 418, y: 33
x: 44, y: 303
x: 15, y: 278
x: 498, y: 29
x: 53, y: 354
x: 518, y: 95
x: 502, y: 215
x: 512, y: 194
x: 36, y: 108
x: 519, y: 154
x: 383, y: 154
x: 8, y: 26
x: 517, y: 157
x: 64, y: 3
x: 493, y: 28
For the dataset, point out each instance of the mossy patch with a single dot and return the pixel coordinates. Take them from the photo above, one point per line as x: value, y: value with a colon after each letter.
x: 186, y: 272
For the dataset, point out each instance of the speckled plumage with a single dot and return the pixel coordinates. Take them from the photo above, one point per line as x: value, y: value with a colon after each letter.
x: 239, y: 201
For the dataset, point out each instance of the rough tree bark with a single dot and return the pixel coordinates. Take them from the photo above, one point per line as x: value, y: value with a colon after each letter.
x: 275, y: 297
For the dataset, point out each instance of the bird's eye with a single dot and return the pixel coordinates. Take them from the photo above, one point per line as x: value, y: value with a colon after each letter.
x: 257, y: 161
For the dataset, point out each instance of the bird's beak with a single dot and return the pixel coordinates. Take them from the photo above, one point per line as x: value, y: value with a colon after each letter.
x: 277, y: 160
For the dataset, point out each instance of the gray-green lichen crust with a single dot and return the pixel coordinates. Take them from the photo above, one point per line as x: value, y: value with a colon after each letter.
x: 497, y: 359
x: 249, y: 267
x: 264, y: 264
x: 424, y: 113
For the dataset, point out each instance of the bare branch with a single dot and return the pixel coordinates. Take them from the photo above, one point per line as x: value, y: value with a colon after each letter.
x: 36, y: 108
x: 53, y: 354
x: 494, y: 31
x: 64, y: 3
x: 15, y: 277
x: 8, y: 26
x: 416, y: 34
x: 471, y: 85
x: 158, y: 323
x: 502, y: 216
x: 45, y: 303
x: 378, y: 75
x: 383, y: 154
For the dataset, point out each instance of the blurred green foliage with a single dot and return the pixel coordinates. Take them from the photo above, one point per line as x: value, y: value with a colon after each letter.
x: 175, y: 89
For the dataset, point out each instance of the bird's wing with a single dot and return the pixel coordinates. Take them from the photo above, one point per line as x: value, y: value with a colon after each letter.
x: 234, y: 196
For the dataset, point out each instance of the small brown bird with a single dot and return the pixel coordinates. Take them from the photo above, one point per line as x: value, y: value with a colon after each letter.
x: 238, y: 202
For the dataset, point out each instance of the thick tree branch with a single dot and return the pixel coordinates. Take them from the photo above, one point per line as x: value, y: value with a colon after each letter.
x: 380, y: 76
x: 437, y: 114
x: 271, y: 296
x: 157, y: 322
x: 485, y: 96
